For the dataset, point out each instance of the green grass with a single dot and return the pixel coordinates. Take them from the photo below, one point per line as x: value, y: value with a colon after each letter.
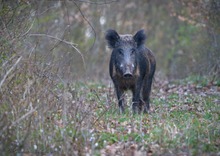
x: 179, y: 123
x: 189, y: 122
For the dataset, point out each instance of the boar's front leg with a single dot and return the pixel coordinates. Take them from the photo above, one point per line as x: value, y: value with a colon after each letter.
x: 120, y: 96
x: 136, y: 101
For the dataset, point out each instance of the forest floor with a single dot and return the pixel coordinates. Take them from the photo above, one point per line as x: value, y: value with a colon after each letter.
x: 184, y: 120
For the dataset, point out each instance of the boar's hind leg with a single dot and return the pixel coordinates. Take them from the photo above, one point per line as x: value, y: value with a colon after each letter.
x: 147, y: 90
x: 146, y: 95
x: 147, y: 86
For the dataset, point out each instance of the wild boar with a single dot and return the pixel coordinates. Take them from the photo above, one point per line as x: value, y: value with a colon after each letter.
x: 132, y: 67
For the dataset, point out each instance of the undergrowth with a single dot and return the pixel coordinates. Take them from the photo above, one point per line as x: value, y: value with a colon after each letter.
x: 83, y: 118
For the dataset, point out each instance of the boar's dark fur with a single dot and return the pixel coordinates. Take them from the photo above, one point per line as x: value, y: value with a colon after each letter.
x: 132, y: 67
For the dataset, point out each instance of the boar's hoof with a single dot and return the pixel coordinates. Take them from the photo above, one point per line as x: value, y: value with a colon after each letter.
x: 121, y: 110
x: 136, y: 108
x: 146, y: 110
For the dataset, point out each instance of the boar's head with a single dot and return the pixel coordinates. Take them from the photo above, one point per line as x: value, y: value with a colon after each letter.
x: 125, y: 51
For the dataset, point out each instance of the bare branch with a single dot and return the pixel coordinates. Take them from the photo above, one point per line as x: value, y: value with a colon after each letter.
x: 53, y: 37
x: 6, y: 62
x: 63, y: 35
x: 87, y: 22
x: 98, y: 2
x: 73, y: 45
x: 8, y: 72
x: 18, y: 120
x: 28, y: 29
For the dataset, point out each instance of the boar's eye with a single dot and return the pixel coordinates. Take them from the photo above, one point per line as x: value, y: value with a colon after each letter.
x: 120, y: 51
x: 132, y: 51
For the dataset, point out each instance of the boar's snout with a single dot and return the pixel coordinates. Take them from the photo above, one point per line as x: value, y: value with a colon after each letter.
x: 128, y: 71
x: 128, y: 75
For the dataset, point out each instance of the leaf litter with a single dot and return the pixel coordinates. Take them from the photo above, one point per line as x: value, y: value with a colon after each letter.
x: 164, y: 130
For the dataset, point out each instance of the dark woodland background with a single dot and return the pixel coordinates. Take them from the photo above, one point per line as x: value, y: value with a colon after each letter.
x: 56, y: 95
x: 67, y: 37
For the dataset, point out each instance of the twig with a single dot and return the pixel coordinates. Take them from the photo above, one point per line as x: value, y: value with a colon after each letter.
x: 32, y: 50
x: 73, y: 45
x: 87, y: 22
x: 97, y: 2
x: 18, y: 120
x: 8, y: 72
x: 58, y: 42
x: 7, y: 61
x: 56, y: 38
x: 28, y: 29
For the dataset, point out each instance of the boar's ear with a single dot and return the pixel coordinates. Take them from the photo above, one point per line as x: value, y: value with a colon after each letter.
x: 112, y: 38
x: 140, y: 37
